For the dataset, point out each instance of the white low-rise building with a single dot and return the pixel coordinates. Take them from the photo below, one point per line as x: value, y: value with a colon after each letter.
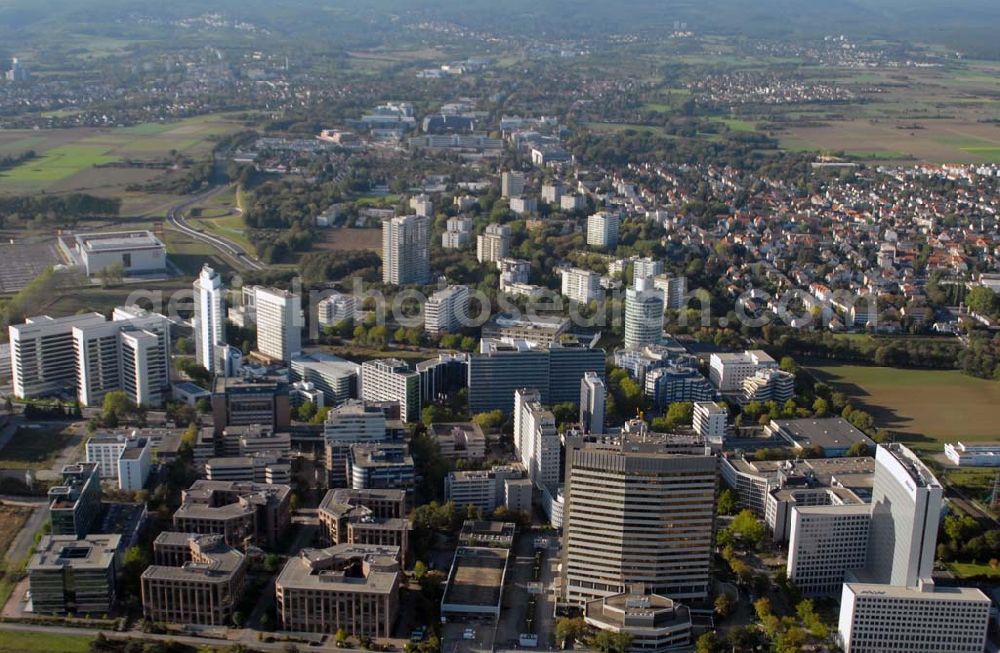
x: 977, y: 454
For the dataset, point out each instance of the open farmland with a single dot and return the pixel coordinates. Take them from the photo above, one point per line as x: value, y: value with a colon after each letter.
x: 922, y: 407
x: 100, y: 161
x: 350, y: 239
x: 936, y: 115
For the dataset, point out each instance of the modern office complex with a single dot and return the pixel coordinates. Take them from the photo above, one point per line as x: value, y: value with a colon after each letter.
x: 392, y: 379
x: 728, y: 371
x: 335, y: 308
x: 194, y: 579
x: 70, y: 574
x: 593, y: 393
x: 493, y: 244
x: 536, y: 440
x: 503, y: 366
x: 665, y: 385
x: 241, y: 512
x: 43, y: 360
x: 825, y: 543
x: 643, y: 316
x: 209, y: 320
x: 973, y: 454
x: 373, y: 516
x: 246, y: 403
x: 405, y: 242
x: 582, y: 286
x: 354, y: 587
x: 279, y: 323
x: 446, y: 310
x: 352, y: 423
x: 710, y: 420
x: 637, y: 513
x: 879, y: 618
x: 906, y: 512
x: 502, y: 485
x: 136, y: 252
x: 121, y: 456
x: 380, y: 465
x: 335, y: 377
x: 602, y: 230
x: 75, y: 503
x: 130, y: 353
x: 654, y: 623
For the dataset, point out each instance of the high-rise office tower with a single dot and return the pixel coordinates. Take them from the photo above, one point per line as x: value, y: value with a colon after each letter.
x: 209, y: 317
x: 906, y: 512
x: 637, y: 512
x: 592, y: 398
x: 130, y: 353
x: 279, y: 323
x: 42, y: 357
x: 405, y: 242
x: 643, y: 315
x: 391, y: 379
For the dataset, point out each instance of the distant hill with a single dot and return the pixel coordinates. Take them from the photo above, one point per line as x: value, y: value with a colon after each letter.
x: 965, y: 24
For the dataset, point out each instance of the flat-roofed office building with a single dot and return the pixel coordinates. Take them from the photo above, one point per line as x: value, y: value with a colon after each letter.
x: 637, y: 513
x: 354, y: 587
x: 70, y: 574
x: 195, y: 579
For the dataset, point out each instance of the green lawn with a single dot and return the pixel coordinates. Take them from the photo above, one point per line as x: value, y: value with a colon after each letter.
x: 56, y: 164
x: 13, y: 641
x: 34, y: 448
x: 972, y: 570
x: 923, y: 407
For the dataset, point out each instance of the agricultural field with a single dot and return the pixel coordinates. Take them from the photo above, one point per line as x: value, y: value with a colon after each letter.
x: 92, y: 159
x: 350, y: 239
x: 933, y: 115
x: 924, y: 408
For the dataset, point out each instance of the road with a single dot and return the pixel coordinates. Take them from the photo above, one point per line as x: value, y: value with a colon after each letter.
x: 229, y: 249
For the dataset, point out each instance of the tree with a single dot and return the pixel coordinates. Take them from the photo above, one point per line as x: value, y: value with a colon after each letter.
x: 680, y: 413
x: 707, y: 643
x: 306, y: 411
x: 116, y: 408
x: 728, y: 502
x: 747, y: 529
x: 569, y: 630
x: 821, y: 407
x: 488, y: 421
x: 203, y: 405
x: 741, y: 570
x: 239, y: 619
x: 981, y: 300
x: 340, y: 638
x: 857, y: 450
x: 723, y: 605
x: 789, y: 365
x: 419, y: 570
x: 566, y: 413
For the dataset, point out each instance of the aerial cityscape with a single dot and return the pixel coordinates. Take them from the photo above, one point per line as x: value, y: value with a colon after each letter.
x: 622, y: 326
